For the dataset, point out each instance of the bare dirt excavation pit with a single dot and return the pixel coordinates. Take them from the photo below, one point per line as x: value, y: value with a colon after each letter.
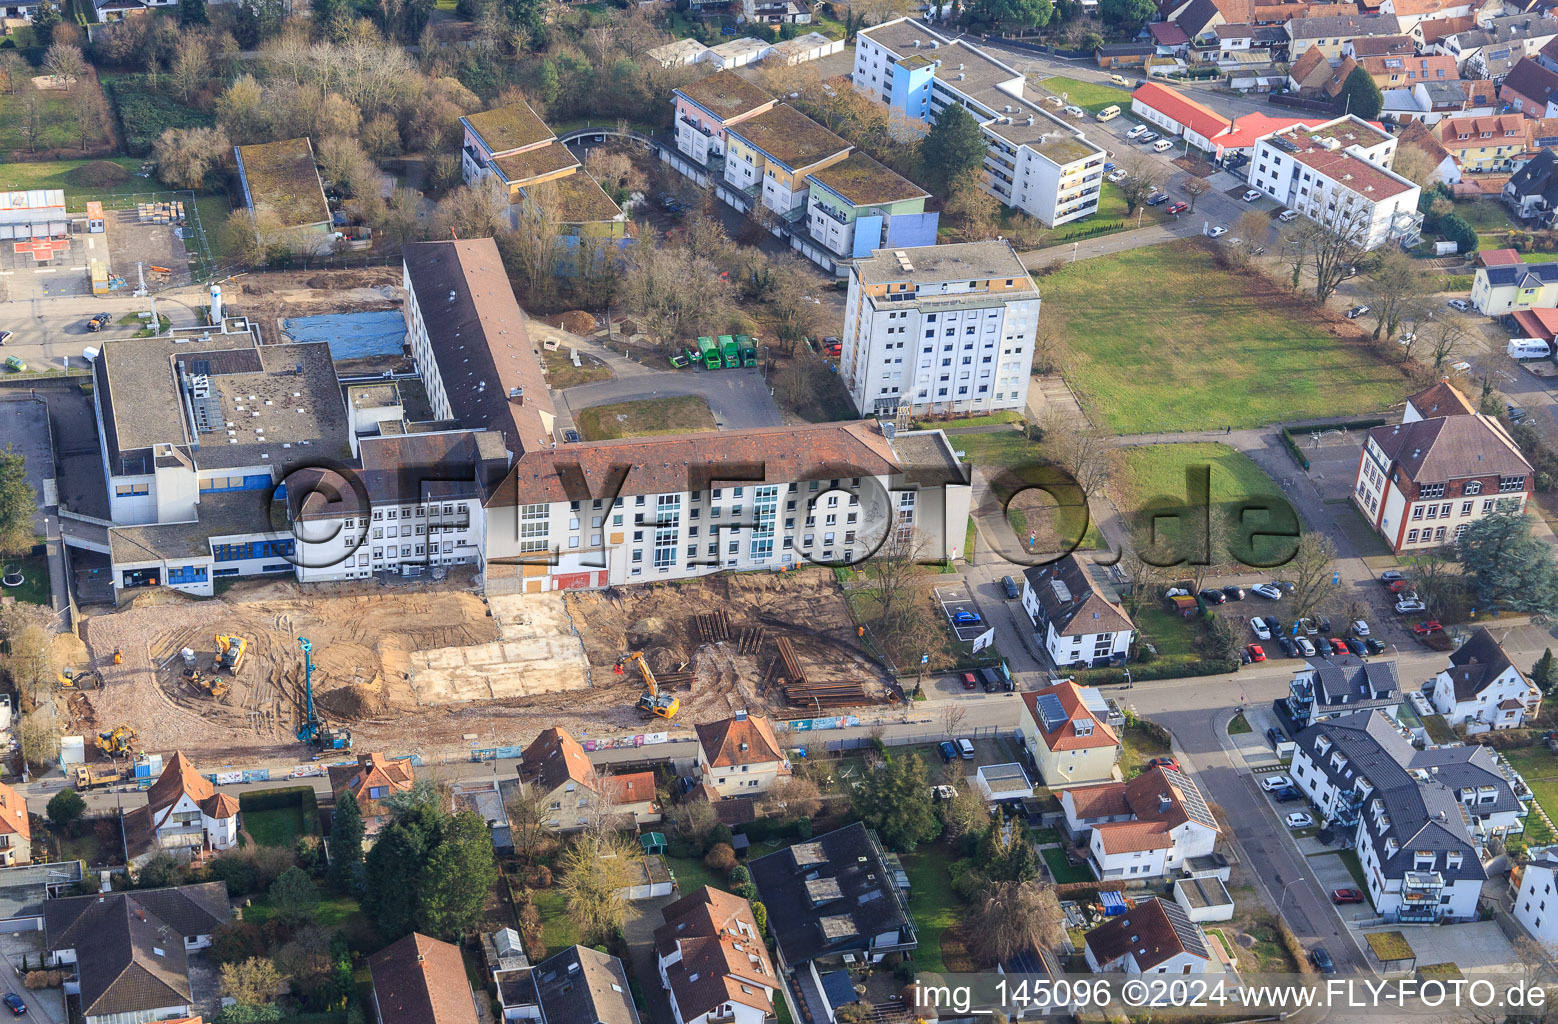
x: 423, y: 670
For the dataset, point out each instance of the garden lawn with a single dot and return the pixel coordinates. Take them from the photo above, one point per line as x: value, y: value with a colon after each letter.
x: 1063, y: 870
x: 1090, y: 96
x: 1160, y: 338
x: 58, y: 119
x: 691, y: 875
x: 1540, y: 770
x: 931, y: 901
x: 279, y: 826
x: 35, y: 586
x: 1137, y: 748
x: 684, y: 414
x: 332, y: 912
x: 1152, y: 477
x: 1011, y: 450
x: 51, y: 174
x: 558, y: 930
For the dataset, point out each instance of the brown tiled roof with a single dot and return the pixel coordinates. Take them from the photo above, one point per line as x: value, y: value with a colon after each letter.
x: 1158, y: 796
x: 1480, y: 92
x: 726, y: 95
x: 1504, y: 128
x: 420, y: 980
x: 1127, y: 836
x: 1152, y: 931
x: 1441, y: 399
x: 1416, y: 135
x: 1434, y: 68
x: 1305, y: 70
x: 1435, y: 29
x: 1379, y: 46
x: 372, y: 770
x: 636, y: 788
x: 505, y: 129
x: 724, y: 959
x: 738, y: 741
x: 1414, y: 8
x: 179, y: 778
x: 13, y: 814
x: 1105, y: 800
x: 1074, y: 601
x: 1333, y: 85
x: 1451, y: 448
x: 222, y: 805
x: 1065, y: 736
x: 553, y: 758
x: 1531, y: 81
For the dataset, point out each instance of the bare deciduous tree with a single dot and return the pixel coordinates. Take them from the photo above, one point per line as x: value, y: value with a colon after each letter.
x: 65, y: 63
x: 1393, y: 289
x: 952, y: 718
x: 191, y: 67
x: 1012, y: 917
x: 1310, y: 573
x: 1195, y: 188
x: 1333, y: 242
x: 596, y: 871
x: 1142, y: 178
x: 529, y: 815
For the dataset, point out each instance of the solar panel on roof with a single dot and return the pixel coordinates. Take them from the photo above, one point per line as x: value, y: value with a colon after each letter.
x: 1195, y: 804
x: 1093, y: 700
x: 1050, y: 710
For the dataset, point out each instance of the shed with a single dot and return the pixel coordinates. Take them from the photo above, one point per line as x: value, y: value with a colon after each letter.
x: 653, y: 843
x: 1204, y: 899
x: 999, y: 783
x: 653, y: 878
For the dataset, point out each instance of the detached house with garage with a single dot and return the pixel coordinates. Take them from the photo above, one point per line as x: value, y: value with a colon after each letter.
x: 1483, y: 689
x: 713, y: 961
x: 1155, y: 936
x: 1066, y: 730
x: 556, y: 764
x: 185, y: 814
x: 1144, y: 828
x: 1423, y: 480
x: 740, y: 756
x: 1076, y: 613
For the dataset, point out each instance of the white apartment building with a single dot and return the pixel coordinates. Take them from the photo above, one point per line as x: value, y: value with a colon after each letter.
x: 1037, y: 163
x: 944, y: 328
x: 1076, y: 613
x: 1338, y: 174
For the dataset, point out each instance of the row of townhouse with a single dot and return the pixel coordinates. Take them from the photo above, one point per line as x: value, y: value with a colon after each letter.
x: 225, y: 458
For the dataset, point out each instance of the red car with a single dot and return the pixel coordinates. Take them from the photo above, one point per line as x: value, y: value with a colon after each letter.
x: 1425, y: 628
x: 969, y: 681
x: 1399, y: 586
x: 1177, y: 208
x: 1163, y: 762
x: 1346, y: 896
x: 1256, y: 652
x: 1338, y: 645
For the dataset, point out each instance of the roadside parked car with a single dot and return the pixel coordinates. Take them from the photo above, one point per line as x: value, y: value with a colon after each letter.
x: 1178, y: 208
x: 1009, y: 588
x: 1299, y: 819
x: 1322, y: 960
x: 1409, y: 604
x: 1274, y: 624
x: 1304, y: 646
x: 1157, y: 198
x: 1428, y: 628
x: 1360, y: 627
x: 1137, y: 132
x: 1287, y: 215
x: 1347, y: 896
x: 1460, y: 304
x: 1267, y: 591
x: 1337, y: 645
x: 1250, y: 195
x: 1325, y: 624
x: 13, y: 1002
x: 571, y: 437
x: 1119, y: 80
x: 1256, y: 652
x: 1375, y: 645
x: 1146, y: 137
x: 1274, y: 736
x: 1397, y: 586
x: 1288, y: 647
x: 969, y: 680
x: 4, y: 337
x: 965, y: 750
x: 1076, y: 111
x: 1214, y: 596
x: 1284, y: 585
x: 1286, y: 796
x: 1217, y: 232
x: 1356, y: 311
x: 1272, y: 783
x: 1260, y: 629
x: 1357, y: 647
x: 1233, y: 593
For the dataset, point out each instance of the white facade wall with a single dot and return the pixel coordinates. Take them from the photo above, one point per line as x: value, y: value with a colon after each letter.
x: 1536, y: 903
x: 392, y: 538
x: 1482, y: 712
x: 1285, y: 178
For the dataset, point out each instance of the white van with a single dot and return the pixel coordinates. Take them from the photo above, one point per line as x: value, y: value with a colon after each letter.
x: 966, y: 750
x: 1108, y: 113
x: 1162, y: 146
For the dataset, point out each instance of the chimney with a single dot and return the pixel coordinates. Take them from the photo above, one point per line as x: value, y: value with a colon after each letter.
x: 1164, y: 803
x: 421, y: 958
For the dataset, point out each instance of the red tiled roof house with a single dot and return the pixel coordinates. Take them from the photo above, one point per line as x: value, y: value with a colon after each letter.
x: 713, y: 962
x: 1066, y: 730
x: 1144, y: 828
x: 741, y: 756
x: 557, y: 766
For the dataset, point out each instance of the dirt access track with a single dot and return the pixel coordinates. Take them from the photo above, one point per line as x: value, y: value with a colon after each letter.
x: 426, y: 670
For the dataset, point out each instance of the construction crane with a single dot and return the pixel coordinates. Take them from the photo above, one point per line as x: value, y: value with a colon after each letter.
x: 661, y: 705
x: 314, y: 731
x: 118, y: 743
x: 229, y: 653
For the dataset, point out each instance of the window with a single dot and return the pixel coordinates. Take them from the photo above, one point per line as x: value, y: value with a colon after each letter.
x: 1507, y: 484
x: 1472, y: 487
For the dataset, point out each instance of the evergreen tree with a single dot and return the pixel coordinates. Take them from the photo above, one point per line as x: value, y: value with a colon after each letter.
x: 346, y: 843
x: 1128, y: 15
x: 895, y: 800
x: 459, y: 873
x: 392, y: 869
x: 953, y: 147
x: 193, y: 12
x: 43, y: 21
x: 1513, y: 570
x: 1545, y: 672
x: 1360, y: 97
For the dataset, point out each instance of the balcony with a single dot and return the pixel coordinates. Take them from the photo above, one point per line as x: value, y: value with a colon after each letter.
x: 695, y: 126
x: 1420, y: 892
x: 828, y: 211
x: 1347, y: 807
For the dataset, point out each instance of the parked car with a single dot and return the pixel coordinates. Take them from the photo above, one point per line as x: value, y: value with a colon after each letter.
x: 1374, y: 645
x: 1428, y: 628
x: 4, y: 337
x: 1338, y: 645
x: 1274, y: 624
x: 1287, y: 215
x: 1150, y: 136
x: 1272, y: 783
x: 965, y: 750
x: 571, y: 437
x: 1250, y: 195
x: 1286, y: 796
x: 1214, y: 596
x: 1157, y: 198
x: 1461, y: 367
x: 948, y: 751
x: 1176, y: 592
x: 1260, y: 629
x: 1137, y: 132
x: 1347, y: 896
x: 1299, y: 819
x: 1356, y: 311
x: 991, y: 680
x: 965, y: 618
x: 98, y: 322
x: 1460, y: 304
x: 970, y: 681
x: 1360, y: 627
x: 1304, y: 646
x: 1267, y: 591
x: 1256, y: 652
x: 1357, y: 647
x: 1288, y: 647
x: 1322, y: 960
x: 1325, y: 624
x: 1410, y: 604
x: 1178, y: 208
x: 1119, y: 80
x: 1233, y: 593
x: 1009, y: 587
x: 13, y: 1002
x: 1116, y: 176
x: 1076, y: 111
x: 1308, y: 626
x: 1163, y: 762
x: 1217, y: 232
x: 1274, y: 736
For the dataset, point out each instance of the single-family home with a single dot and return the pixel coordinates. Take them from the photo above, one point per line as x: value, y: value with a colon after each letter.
x: 126, y: 954
x: 1155, y: 936
x: 1530, y: 89
x: 15, y: 829
x: 370, y: 780
x: 1490, y: 143
x: 584, y: 986
x: 1536, y: 906
x: 1330, y: 32
x: 556, y: 765
x: 1066, y: 731
x: 1483, y: 689
x: 184, y: 815
x: 1531, y: 193
x: 1076, y: 613
x: 1402, y: 72
x: 1496, y: 291
x: 1379, y: 46
x: 1420, y: 137
x: 420, y: 980
x: 713, y: 961
x: 740, y: 756
x: 1494, y: 47
x: 1141, y: 829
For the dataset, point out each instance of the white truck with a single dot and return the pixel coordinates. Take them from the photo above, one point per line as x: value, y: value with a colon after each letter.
x: 1529, y: 348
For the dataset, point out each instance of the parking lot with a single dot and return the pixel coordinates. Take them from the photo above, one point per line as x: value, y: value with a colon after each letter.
x: 64, y: 274
x: 963, y: 615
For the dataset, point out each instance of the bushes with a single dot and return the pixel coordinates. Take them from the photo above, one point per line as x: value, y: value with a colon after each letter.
x: 1541, y: 454
x: 721, y: 857
x: 97, y: 174
x: 1167, y: 670
x: 1505, y: 739
x: 1295, y: 949
x: 1086, y: 890
x: 145, y: 113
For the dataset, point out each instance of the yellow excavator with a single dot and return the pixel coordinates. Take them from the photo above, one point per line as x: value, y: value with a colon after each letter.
x: 229, y: 653
x: 210, y: 685
x: 118, y: 743
x: 661, y: 705
x: 79, y: 679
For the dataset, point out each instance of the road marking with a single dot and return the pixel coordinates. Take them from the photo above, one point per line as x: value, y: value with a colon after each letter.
x: 6, y: 273
x: 45, y: 270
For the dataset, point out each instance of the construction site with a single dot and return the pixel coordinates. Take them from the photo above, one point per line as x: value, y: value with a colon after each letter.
x: 439, y: 670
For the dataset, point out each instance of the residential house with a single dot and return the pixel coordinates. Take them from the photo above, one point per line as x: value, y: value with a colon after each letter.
x: 1420, y: 482
x: 1174, y: 113
x: 1496, y: 291
x: 1141, y: 829
x: 1484, y: 143
x: 1315, y: 77
x: 1339, y: 173
x: 1531, y: 193
x: 1430, y: 33
x: 184, y: 815
x: 1530, y: 89
x: 740, y: 756
x: 370, y: 780
x: 1410, y: 12
x: 1423, y: 139
x: 1330, y: 32
x: 769, y: 155
x: 1402, y: 72
x: 1076, y: 613
x: 1483, y: 689
x: 420, y: 980
x: 1169, y: 40
x: 126, y: 954
x: 556, y: 765
x: 1067, y: 735
x: 1343, y: 684
x: 1493, y: 48
x: 583, y: 986
x: 1544, y: 133
x: 284, y: 196
x: 703, y: 110
x: 1379, y: 46
x: 1533, y: 892
x: 713, y: 961
x: 1419, y: 819
x: 832, y: 901
x: 15, y: 829
x: 1155, y: 936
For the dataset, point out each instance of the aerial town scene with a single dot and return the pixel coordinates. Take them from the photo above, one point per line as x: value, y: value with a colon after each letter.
x: 778, y: 511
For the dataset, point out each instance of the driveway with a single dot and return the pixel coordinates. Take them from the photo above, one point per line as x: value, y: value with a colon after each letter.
x: 639, y: 931
x: 739, y: 399
x: 1477, y: 945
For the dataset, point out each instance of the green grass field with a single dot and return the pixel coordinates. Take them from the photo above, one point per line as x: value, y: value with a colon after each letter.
x: 1063, y: 870
x: 58, y: 117
x: 35, y: 586
x: 51, y: 174
x: 1153, y: 477
x: 332, y: 912
x: 1540, y: 770
x: 1090, y: 96
x: 1161, y: 339
x: 684, y: 414
x: 932, y: 903
x: 279, y: 826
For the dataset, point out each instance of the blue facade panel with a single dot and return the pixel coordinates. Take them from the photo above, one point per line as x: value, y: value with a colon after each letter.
x: 911, y: 229
x: 868, y: 235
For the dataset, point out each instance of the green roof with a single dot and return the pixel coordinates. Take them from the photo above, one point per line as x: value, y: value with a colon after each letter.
x: 506, y: 129
x: 1390, y: 946
x: 864, y: 182
x: 790, y: 137
x: 281, y: 178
